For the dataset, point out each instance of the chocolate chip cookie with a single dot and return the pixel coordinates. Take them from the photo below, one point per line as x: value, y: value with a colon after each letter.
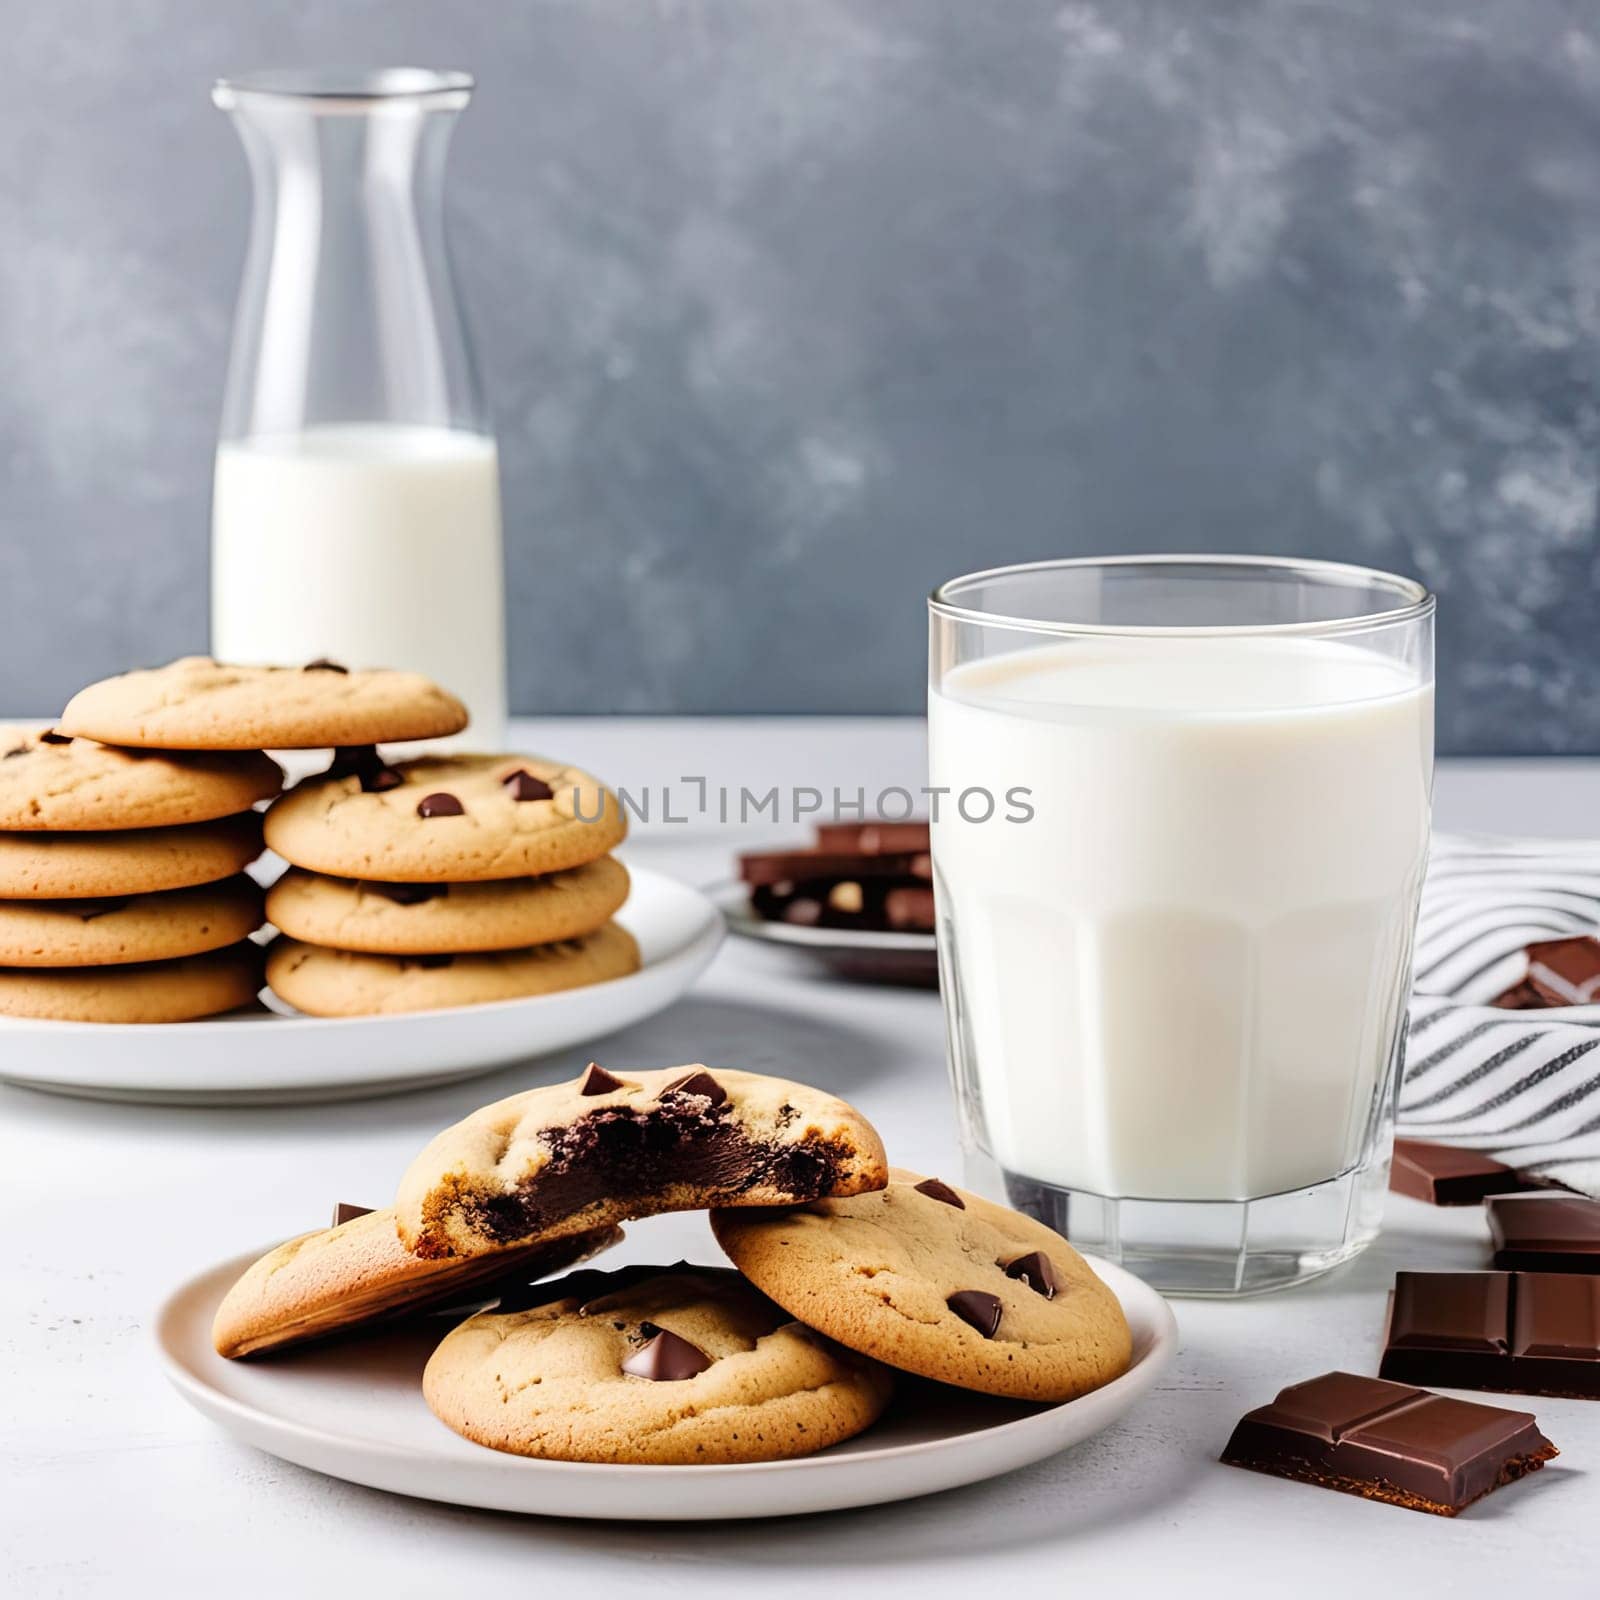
x: 201, y: 704
x: 436, y: 918
x: 609, y: 1146
x: 140, y: 927
x: 676, y: 1366
x: 63, y: 866
x: 344, y: 983
x: 142, y: 991
x: 50, y: 781
x: 446, y: 819
x: 357, y: 1272
x: 939, y: 1282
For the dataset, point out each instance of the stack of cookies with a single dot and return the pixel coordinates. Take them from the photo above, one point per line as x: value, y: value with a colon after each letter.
x: 847, y: 1272
x: 444, y: 881
x: 123, y: 896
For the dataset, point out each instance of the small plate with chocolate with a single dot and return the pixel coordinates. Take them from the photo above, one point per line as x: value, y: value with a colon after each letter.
x: 858, y: 901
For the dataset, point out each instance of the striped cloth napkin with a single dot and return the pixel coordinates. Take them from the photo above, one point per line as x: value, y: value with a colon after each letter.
x: 1521, y: 1085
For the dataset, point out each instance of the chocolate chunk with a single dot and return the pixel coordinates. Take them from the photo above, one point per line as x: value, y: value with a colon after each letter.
x: 522, y: 785
x: 699, y: 1082
x: 935, y: 1190
x: 408, y: 894
x: 440, y: 805
x: 1520, y: 997
x: 1566, y: 972
x: 1389, y: 1442
x: 874, y: 838
x: 596, y: 1080
x: 1545, y: 1232
x: 363, y: 761
x: 980, y: 1309
x: 1038, y: 1271
x: 909, y: 910
x: 1522, y: 1332
x: 322, y: 664
x: 345, y: 1212
x: 88, y: 910
x: 1445, y: 1175
x: 666, y: 1359
x: 50, y: 736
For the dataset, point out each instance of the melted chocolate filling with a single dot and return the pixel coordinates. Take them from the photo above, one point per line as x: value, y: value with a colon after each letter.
x: 617, y: 1153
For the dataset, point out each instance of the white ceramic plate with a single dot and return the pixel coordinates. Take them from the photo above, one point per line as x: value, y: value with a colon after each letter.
x: 267, y: 1057
x: 879, y: 955
x: 355, y: 1410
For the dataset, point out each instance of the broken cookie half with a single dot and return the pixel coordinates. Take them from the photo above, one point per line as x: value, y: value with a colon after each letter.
x: 576, y: 1156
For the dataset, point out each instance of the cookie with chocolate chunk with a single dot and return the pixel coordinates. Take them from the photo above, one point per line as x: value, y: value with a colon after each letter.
x: 609, y: 1146
x: 677, y: 1366
x: 939, y: 1282
x: 447, y: 819
x: 201, y: 704
x: 50, y: 781
x: 357, y: 1272
x: 346, y: 983
x: 434, y: 918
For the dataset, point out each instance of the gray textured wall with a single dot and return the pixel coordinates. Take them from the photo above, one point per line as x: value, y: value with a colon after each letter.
x: 789, y: 308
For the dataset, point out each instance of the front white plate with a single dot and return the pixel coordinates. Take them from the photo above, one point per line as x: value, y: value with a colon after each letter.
x: 355, y: 1410
x: 268, y: 1057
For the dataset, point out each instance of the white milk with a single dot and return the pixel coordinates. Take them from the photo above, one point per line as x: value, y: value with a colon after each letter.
x: 1183, y: 978
x: 374, y: 545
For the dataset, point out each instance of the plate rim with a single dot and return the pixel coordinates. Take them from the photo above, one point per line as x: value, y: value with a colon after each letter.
x: 207, y: 1398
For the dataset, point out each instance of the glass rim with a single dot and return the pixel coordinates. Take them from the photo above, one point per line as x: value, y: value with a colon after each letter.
x: 1417, y: 601
x: 347, y: 88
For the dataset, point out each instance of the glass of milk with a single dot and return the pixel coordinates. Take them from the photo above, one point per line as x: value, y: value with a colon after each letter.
x: 356, y: 507
x: 1181, y: 826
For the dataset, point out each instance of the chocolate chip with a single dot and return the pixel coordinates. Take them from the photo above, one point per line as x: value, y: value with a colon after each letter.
x: 408, y: 894
x: 1038, y: 1272
x: 522, y: 785
x: 648, y: 1331
x: 88, y: 910
x: 323, y: 664
x: 440, y: 805
x: 666, y: 1359
x: 50, y: 736
x: 344, y: 1212
x: 363, y: 761
x: 981, y: 1310
x: 699, y: 1082
x: 596, y: 1080
x: 940, y: 1191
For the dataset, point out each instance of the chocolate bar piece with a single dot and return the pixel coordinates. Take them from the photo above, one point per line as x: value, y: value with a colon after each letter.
x: 875, y: 838
x: 1561, y: 972
x: 765, y: 868
x: 1518, y: 1332
x: 1445, y: 1175
x: 1390, y: 1442
x: 1545, y: 1232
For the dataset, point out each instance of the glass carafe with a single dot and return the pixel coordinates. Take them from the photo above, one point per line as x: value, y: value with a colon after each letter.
x: 356, y: 509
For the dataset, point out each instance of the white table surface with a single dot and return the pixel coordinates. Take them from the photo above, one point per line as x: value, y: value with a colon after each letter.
x: 113, y: 1486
